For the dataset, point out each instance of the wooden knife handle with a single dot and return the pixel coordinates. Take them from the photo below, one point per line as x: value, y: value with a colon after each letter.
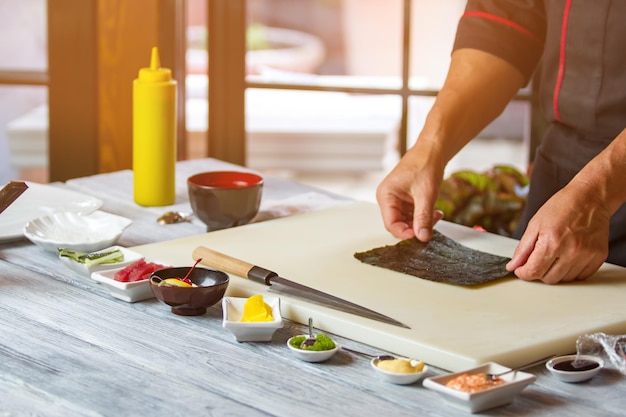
x: 10, y: 192
x: 226, y: 263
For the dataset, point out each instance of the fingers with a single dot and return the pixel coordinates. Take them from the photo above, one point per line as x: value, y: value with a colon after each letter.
x: 402, y: 226
x: 547, y: 261
x: 401, y: 230
x: 396, y: 214
x: 424, y: 215
x: 522, y: 251
x: 398, y: 217
x: 425, y: 233
x: 537, y: 258
x: 407, y: 207
x: 423, y: 226
x: 589, y: 270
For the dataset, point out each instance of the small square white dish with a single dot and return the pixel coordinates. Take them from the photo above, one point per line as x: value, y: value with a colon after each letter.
x: 129, y: 257
x: 489, y: 398
x: 126, y: 291
x: 232, y: 310
x: 80, y: 232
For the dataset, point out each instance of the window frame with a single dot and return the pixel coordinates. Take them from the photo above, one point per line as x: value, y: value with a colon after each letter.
x: 80, y: 33
x: 232, y: 125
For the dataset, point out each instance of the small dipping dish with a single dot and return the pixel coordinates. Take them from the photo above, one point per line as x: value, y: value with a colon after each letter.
x: 478, y: 401
x: 311, y: 355
x: 575, y: 368
x: 415, y: 370
x: 210, y: 287
x: 131, y: 292
x: 233, y: 309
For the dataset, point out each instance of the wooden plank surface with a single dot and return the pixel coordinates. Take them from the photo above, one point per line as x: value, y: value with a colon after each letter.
x: 68, y: 348
x: 96, y: 48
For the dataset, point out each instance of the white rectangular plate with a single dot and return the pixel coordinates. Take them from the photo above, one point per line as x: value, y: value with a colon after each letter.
x: 41, y: 200
x: 130, y: 292
x: 129, y: 258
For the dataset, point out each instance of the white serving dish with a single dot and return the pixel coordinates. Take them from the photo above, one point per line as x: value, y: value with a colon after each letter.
x: 574, y: 376
x: 312, y: 355
x: 398, y: 378
x: 126, y: 291
x: 80, y: 232
x: 476, y: 402
x: 129, y: 258
x: 42, y: 200
x: 232, y: 311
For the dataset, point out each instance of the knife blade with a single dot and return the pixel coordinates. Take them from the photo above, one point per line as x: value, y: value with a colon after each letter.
x: 280, y: 285
x: 10, y: 192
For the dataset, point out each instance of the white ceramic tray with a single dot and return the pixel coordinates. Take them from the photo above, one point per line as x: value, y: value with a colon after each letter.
x: 129, y: 258
x: 42, y: 200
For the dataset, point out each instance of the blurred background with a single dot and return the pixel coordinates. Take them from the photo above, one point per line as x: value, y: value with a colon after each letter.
x: 334, y: 91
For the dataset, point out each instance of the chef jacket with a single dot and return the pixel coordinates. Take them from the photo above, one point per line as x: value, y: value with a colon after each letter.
x: 576, y: 51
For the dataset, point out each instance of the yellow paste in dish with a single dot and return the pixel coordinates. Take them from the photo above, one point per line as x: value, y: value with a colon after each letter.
x: 401, y: 366
x: 256, y: 309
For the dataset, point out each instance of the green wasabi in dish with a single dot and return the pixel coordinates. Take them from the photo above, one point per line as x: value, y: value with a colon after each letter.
x: 322, y: 342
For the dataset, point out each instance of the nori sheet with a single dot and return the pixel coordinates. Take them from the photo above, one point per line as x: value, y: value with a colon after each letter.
x: 441, y: 260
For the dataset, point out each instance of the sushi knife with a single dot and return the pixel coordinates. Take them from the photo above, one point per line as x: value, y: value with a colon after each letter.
x: 10, y: 192
x: 284, y: 286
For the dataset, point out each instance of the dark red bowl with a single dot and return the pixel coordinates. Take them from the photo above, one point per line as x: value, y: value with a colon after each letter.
x: 190, y: 301
x: 223, y: 199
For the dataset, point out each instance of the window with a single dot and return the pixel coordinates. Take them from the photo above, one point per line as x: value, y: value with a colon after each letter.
x: 337, y: 85
x: 340, y: 85
x: 23, y: 89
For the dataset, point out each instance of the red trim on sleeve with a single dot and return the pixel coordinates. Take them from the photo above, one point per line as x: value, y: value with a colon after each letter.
x: 561, y: 73
x: 502, y: 20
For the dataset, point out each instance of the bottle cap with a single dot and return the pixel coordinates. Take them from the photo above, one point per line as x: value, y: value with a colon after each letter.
x: 155, y: 73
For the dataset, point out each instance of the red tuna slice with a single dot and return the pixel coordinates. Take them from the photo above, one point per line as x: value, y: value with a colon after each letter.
x: 141, y: 272
x: 123, y: 275
x: 145, y: 272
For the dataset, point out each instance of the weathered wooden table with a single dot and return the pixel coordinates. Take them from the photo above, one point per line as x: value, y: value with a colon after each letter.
x: 67, y: 348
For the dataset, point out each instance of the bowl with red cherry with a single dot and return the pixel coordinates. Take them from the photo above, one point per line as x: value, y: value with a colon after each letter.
x: 189, y: 290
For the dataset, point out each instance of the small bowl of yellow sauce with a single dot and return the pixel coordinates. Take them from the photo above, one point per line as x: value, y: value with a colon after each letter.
x: 402, y: 371
x: 253, y: 319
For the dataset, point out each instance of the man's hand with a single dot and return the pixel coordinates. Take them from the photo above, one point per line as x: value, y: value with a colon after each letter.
x: 566, y: 240
x: 408, y: 194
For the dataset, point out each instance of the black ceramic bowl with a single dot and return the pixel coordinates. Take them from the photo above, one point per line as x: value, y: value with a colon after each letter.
x: 190, y: 301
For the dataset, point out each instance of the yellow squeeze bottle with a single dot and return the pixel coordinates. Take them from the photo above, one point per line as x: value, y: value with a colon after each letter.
x: 154, y: 135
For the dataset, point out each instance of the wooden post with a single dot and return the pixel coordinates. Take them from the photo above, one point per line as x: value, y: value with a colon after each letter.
x: 227, y: 130
x: 95, y: 48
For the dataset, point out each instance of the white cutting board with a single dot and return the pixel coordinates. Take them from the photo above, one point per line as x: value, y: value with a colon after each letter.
x: 509, y: 321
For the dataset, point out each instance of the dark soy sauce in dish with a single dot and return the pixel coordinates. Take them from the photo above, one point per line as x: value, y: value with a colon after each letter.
x: 576, y: 365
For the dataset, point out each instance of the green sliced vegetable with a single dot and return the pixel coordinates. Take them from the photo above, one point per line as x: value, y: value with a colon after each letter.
x: 99, y: 258
x: 72, y: 254
x: 93, y: 258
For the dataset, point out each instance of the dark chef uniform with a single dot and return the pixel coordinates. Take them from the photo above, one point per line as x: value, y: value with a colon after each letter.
x: 581, y: 48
